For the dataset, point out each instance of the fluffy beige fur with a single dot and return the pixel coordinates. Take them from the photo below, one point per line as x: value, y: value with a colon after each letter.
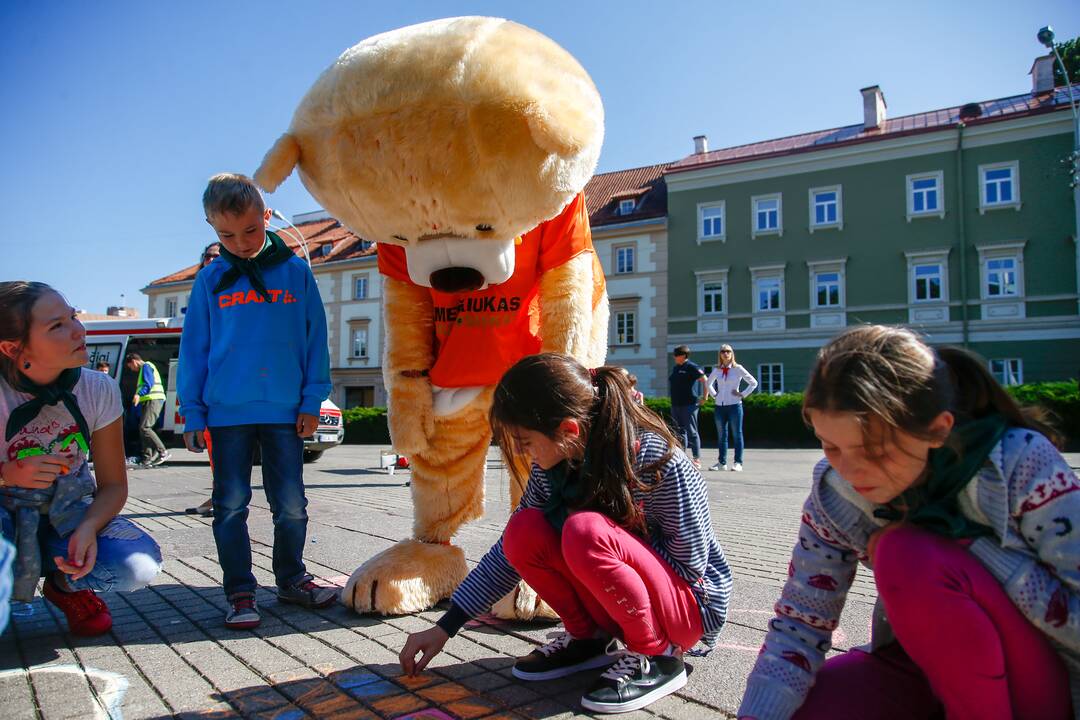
x: 435, y: 133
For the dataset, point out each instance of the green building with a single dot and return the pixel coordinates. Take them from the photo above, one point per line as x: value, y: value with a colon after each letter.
x: 959, y: 223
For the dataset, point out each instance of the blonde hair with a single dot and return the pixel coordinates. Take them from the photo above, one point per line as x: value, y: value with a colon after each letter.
x: 719, y: 360
x: 231, y: 193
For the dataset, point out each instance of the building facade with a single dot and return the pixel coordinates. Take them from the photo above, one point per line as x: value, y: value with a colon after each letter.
x: 958, y: 223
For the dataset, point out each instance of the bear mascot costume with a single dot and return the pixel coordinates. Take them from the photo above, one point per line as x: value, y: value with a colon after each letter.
x: 462, y: 147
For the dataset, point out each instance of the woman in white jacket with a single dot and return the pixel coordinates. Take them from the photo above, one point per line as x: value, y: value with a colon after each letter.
x: 724, y: 384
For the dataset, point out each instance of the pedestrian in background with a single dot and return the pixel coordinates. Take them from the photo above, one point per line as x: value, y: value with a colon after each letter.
x: 150, y: 399
x: 686, y: 386
x: 725, y: 386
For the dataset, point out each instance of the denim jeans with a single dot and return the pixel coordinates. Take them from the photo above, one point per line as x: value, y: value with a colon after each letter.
x: 283, y: 483
x: 729, y: 416
x: 685, y: 417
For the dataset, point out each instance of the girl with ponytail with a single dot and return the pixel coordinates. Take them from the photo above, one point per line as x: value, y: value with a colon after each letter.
x: 613, y: 531
x: 969, y: 518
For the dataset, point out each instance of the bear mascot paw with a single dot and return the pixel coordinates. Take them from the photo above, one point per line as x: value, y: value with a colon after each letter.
x: 462, y: 147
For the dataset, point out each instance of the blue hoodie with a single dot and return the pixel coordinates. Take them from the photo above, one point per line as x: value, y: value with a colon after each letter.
x: 246, y: 361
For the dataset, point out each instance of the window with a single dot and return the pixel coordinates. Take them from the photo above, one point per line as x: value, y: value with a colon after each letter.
x: 625, y: 332
x: 624, y: 259
x: 627, y: 206
x: 1000, y: 186
x: 359, y: 396
x: 924, y: 195
x: 1001, y: 277
x: 827, y: 289
x: 711, y: 221
x: 768, y: 215
x: 768, y: 294
x: 1008, y: 371
x: 826, y: 208
x: 712, y: 298
x: 767, y: 297
x: 927, y: 282
x: 360, y: 287
x: 359, y: 342
x: 170, y: 307
x: 771, y: 378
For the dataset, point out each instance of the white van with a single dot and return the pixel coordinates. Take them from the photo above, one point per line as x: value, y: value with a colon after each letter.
x: 158, y: 341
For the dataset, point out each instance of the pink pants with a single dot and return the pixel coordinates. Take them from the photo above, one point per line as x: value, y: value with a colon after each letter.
x: 598, y: 575
x: 964, y: 651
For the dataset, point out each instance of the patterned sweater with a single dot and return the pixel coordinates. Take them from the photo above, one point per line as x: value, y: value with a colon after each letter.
x: 680, y: 530
x: 1025, y: 492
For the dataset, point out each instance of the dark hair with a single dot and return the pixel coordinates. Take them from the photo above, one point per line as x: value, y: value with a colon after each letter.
x: 132, y: 356
x: 891, y: 374
x: 681, y: 350
x: 599, y: 400
x: 203, y: 256
x: 17, y: 300
x: 101, y: 364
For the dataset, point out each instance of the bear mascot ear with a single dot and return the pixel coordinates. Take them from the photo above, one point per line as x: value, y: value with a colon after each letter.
x: 278, y: 163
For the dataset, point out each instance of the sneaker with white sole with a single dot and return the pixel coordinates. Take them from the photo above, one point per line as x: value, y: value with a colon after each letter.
x: 565, y: 655
x: 737, y: 467
x: 307, y: 594
x: 634, y: 682
x: 718, y: 466
x: 160, y: 459
x: 243, y: 612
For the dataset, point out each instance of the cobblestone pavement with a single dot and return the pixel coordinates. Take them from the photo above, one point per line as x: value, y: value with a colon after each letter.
x: 168, y: 654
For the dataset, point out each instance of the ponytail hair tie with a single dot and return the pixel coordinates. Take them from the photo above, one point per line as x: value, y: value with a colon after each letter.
x: 592, y: 375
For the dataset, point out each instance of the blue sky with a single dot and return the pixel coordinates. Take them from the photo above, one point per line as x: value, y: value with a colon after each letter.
x: 115, y: 112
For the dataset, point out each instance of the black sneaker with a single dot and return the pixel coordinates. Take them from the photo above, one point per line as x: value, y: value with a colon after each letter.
x: 307, y: 594
x: 564, y: 656
x: 634, y: 682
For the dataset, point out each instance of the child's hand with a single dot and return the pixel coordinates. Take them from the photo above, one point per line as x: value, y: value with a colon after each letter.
x: 81, y: 555
x: 194, y: 441
x: 36, y: 472
x: 306, y: 424
x: 429, y: 642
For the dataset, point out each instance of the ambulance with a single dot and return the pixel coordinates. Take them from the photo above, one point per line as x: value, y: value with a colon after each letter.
x: 158, y: 341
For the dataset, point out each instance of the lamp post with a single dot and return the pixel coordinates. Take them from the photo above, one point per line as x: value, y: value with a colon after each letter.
x: 1046, y: 37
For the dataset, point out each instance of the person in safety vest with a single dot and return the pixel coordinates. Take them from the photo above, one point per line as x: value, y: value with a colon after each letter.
x: 150, y: 398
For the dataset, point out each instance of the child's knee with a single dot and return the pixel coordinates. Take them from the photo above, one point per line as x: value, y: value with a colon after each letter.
x: 527, y: 531
x: 582, y: 534
x: 908, y: 559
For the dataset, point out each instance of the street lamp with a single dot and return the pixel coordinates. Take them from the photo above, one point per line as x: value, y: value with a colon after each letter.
x: 1046, y: 37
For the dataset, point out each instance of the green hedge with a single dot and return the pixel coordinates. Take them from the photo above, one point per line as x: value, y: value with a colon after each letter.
x: 771, y: 420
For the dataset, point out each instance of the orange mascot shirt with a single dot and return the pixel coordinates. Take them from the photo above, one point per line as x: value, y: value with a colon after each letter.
x: 480, y: 334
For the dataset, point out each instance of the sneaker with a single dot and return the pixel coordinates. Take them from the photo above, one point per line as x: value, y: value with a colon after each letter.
x: 86, y: 613
x: 564, y: 656
x: 737, y: 467
x: 243, y: 612
x: 718, y: 466
x: 160, y: 459
x: 634, y: 682
x: 307, y: 594
x: 697, y: 463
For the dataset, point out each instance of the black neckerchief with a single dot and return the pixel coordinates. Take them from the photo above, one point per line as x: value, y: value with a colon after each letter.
x: 933, y: 504
x: 274, y: 254
x: 566, y: 491
x: 55, y: 392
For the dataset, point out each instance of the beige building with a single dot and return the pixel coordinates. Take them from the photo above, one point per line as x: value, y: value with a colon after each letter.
x: 628, y: 214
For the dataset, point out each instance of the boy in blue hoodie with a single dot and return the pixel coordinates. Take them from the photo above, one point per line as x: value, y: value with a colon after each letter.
x: 254, y: 368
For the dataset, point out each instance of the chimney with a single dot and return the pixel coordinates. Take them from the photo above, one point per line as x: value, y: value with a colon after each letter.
x: 873, y: 107
x: 1042, y: 74
x: 701, y: 144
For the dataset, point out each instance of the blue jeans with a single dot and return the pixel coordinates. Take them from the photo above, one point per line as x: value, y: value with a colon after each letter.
x: 283, y: 483
x: 127, y: 558
x: 729, y: 416
x: 685, y: 417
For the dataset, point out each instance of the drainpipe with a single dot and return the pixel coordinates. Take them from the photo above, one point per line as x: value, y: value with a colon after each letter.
x: 962, y: 233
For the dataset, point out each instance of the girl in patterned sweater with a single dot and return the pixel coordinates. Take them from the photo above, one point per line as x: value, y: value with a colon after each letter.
x: 613, y: 531
x: 970, y: 520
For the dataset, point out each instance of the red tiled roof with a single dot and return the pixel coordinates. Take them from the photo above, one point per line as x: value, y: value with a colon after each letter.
x: 991, y: 111
x: 603, y: 192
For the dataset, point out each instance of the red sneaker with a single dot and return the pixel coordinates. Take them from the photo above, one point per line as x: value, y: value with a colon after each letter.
x: 86, y: 613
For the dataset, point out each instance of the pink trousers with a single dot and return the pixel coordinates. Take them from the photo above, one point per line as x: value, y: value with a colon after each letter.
x: 596, y: 575
x: 965, y: 651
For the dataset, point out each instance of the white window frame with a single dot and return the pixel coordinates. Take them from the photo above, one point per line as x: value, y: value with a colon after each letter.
x: 938, y: 177
x: 773, y: 318
x: 712, y: 321
x: 984, y: 205
x: 819, y: 267
x: 1015, y: 251
x: 839, y: 222
x: 624, y: 312
x: 722, y: 235
x: 915, y: 259
x: 1007, y: 370
x: 618, y: 249
x: 367, y: 286
x: 755, y: 231
x: 354, y: 333
x: 627, y: 207
x: 761, y: 377
x: 172, y: 306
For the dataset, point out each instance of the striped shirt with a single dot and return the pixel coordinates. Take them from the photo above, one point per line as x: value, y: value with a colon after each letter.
x: 676, y: 508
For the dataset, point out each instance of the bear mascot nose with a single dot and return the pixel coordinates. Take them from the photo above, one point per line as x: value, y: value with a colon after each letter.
x: 457, y: 279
